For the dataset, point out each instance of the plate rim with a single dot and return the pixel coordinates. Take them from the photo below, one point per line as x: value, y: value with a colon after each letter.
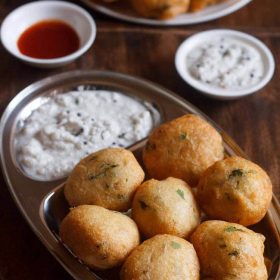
x: 173, y: 22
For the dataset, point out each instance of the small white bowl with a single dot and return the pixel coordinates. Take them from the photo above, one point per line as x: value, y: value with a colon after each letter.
x: 25, y: 16
x: 201, y: 38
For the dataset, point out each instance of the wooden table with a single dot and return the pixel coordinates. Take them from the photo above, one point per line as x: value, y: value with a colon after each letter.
x: 147, y: 52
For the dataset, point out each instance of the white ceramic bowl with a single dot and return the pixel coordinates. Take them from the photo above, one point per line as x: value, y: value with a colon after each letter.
x: 25, y: 16
x: 217, y: 92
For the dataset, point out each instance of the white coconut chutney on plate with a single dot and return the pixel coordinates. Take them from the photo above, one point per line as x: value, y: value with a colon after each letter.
x: 69, y: 126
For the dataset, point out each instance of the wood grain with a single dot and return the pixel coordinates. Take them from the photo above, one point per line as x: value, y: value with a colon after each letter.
x: 146, y: 52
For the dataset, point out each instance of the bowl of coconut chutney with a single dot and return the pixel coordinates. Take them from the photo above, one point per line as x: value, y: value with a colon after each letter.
x: 224, y: 64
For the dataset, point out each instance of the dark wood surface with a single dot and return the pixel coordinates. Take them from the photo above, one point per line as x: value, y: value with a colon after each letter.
x: 146, y: 52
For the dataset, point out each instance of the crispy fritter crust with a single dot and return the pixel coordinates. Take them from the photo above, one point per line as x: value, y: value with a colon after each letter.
x: 99, y: 237
x: 228, y: 251
x: 163, y: 257
x: 182, y: 148
x: 160, y: 9
x: 235, y: 190
x: 107, y: 178
x: 198, y: 5
x: 166, y: 206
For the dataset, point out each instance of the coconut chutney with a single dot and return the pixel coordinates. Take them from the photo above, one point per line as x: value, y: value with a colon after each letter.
x: 69, y: 126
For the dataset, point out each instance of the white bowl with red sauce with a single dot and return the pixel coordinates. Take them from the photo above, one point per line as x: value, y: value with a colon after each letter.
x: 48, y: 34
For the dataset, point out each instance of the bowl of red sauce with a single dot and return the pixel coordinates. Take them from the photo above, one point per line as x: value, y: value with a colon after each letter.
x: 48, y: 34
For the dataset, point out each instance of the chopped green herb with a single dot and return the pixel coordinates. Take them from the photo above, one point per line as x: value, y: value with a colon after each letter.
x: 222, y: 246
x: 143, y: 204
x: 183, y: 136
x: 236, y: 173
x: 120, y: 196
x: 181, y: 193
x: 233, y: 229
x: 234, y: 253
x: 175, y: 245
x: 105, y: 168
x: 108, y: 165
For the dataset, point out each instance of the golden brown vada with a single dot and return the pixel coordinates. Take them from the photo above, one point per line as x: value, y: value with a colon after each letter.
x: 107, y: 178
x: 229, y: 251
x: 99, y: 237
x: 235, y: 190
x: 182, y: 148
x: 160, y: 9
x: 163, y: 257
x: 166, y: 206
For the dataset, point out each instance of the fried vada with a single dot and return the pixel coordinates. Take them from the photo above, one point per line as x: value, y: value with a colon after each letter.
x: 99, y: 237
x: 229, y: 251
x: 198, y: 5
x: 182, y: 148
x: 235, y: 190
x: 166, y: 206
x: 160, y: 9
x: 107, y: 178
x: 162, y: 257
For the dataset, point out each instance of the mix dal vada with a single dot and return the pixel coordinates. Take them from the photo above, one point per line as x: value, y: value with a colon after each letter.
x: 166, y: 206
x: 182, y: 148
x: 229, y: 251
x: 235, y: 190
x: 107, y: 178
x: 101, y: 238
x: 163, y: 257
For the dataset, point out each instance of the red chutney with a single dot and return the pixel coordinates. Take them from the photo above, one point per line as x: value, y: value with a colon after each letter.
x: 48, y: 39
